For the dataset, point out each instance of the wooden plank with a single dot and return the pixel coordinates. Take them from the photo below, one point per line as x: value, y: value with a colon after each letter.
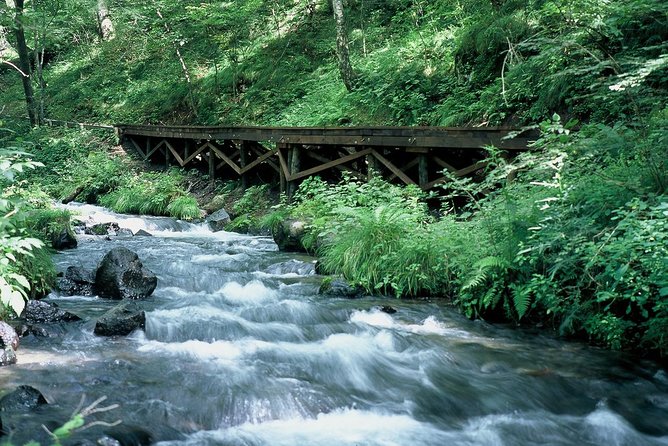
x: 268, y: 160
x: 331, y: 164
x: 392, y: 168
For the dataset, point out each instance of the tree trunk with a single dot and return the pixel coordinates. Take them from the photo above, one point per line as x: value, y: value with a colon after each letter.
x: 104, y: 23
x: 24, y: 60
x: 4, y: 44
x: 342, y: 47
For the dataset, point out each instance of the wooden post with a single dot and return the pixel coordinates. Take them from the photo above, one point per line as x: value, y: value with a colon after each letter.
x: 148, y: 150
x: 283, y: 180
x: 212, y: 166
x: 166, y: 156
x: 243, y: 149
x: 423, y: 170
x: 371, y: 167
x: 294, y: 162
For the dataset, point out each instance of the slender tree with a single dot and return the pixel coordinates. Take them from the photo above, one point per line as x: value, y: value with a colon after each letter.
x: 24, y: 59
x: 105, y: 25
x: 342, y: 47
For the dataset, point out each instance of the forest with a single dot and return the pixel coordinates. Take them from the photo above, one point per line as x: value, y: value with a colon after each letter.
x: 571, y: 236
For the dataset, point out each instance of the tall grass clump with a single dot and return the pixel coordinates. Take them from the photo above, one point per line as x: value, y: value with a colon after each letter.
x: 153, y: 193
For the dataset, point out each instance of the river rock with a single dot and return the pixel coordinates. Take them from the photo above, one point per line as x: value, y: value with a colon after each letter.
x: 124, y: 232
x: 142, y: 233
x: 8, y: 336
x: 340, y: 288
x: 77, y: 282
x: 218, y: 220
x: 63, y: 239
x: 121, y: 320
x: 110, y: 228
x: 289, y: 235
x: 121, y: 275
x: 9, y: 341
x: 22, y: 399
x: 38, y: 311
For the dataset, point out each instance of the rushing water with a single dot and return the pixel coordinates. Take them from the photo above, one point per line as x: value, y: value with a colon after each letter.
x: 240, y: 350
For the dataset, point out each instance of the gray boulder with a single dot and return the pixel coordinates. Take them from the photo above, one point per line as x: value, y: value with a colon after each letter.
x: 142, y: 233
x: 9, y: 341
x: 218, y: 220
x: 121, y: 320
x: 340, y: 288
x: 121, y: 275
x: 77, y: 282
x: 289, y: 235
x: 63, y: 239
x: 38, y: 311
x: 22, y: 399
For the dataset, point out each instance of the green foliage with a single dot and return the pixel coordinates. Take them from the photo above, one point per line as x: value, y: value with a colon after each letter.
x: 249, y: 209
x: 153, y: 193
x: 24, y: 264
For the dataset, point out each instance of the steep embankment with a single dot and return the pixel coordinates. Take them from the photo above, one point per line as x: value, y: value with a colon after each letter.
x: 443, y: 62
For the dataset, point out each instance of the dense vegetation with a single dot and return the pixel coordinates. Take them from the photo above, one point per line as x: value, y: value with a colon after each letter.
x: 572, y: 236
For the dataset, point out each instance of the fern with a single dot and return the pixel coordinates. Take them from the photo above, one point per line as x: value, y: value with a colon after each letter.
x: 482, y: 268
x: 521, y: 299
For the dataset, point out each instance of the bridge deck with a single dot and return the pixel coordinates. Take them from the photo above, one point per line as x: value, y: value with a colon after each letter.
x: 413, y: 155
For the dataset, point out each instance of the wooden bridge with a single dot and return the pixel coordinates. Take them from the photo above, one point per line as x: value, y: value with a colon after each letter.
x: 412, y: 155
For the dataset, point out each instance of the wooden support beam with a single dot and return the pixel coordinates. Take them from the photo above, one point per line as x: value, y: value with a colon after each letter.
x: 444, y: 165
x: 294, y: 162
x: 423, y: 169
x: 331, y: 164
x: 262, y: 158
x: 243, y: 161
x: 285, y: 171
x: 137, y: 148
x: 340, y: 167
x: 193, y: 155
x: 394, y: 169
x: 212, y: 165
x: 406, y: 167
x: 177, y: 157
x: 225, y: 158
x: 467, y: 170
x: 266, y: 155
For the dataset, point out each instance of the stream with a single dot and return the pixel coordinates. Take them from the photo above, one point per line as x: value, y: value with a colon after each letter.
x: 239, y: 349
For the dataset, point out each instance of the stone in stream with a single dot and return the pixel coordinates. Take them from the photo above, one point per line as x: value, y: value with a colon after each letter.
x: 110, y: 228
x: 142, y: 233
x: 121, y: 320
x: 22, y: 399
x: 77, y: 282
x: 63, y: 239
x: 340, y: 288
x: 37, y: 311
x: 218, y: 220
x: 288, y: 235
x: 10, y: 343
x: 121, y: 275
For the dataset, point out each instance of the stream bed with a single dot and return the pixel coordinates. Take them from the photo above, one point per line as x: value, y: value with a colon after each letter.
x: 239, y: 349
